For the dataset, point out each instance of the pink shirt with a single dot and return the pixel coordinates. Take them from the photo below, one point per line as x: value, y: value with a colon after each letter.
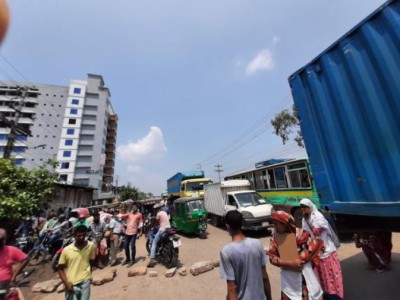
x: 132, y: 222
x: 163, y: 219
x: 8, y: 256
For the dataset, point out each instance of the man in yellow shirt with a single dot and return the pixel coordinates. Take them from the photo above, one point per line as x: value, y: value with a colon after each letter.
x: 77, y: 259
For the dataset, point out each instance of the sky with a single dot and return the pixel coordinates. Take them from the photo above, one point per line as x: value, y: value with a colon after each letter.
x: 195, y: 84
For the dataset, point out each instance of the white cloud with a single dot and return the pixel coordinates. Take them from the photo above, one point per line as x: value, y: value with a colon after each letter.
x: 276, y: 39
x: 263, y: 61
x: 149, y: 148
x: 134, y: 169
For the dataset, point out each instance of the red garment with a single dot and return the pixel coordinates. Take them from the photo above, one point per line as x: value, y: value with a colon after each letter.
x: 132, y: 222
x: 330, y: 276
x: 8, y: 256
x: 307, y: 246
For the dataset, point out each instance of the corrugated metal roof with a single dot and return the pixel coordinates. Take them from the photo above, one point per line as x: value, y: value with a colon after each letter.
x: 348, y: 100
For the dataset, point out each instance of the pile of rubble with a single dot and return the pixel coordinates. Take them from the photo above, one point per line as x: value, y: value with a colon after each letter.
x: 100, y: 277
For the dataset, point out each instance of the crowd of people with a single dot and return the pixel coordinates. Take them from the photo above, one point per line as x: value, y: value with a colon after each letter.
x: 314, y: 273
x: 97, y: 238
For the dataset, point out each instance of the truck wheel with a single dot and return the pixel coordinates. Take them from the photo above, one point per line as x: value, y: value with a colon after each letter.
x: 215, y: 221
x: 298, y: 216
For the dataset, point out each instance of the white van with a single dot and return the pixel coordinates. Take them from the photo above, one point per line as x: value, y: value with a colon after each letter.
x: 219, y: 198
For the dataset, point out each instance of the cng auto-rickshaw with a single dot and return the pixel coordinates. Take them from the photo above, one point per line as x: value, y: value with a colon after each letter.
x: 189, y: 215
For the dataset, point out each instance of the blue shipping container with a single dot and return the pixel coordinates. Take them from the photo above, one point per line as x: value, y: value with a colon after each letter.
x: 348, y: 100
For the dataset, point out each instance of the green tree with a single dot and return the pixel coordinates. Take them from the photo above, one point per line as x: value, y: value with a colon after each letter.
x: 128, y: 192
x: 22, y: 191
x: 286, y: 123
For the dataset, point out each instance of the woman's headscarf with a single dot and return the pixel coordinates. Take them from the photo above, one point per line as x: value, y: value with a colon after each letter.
x: 317, y: 220
x: 285, y: 218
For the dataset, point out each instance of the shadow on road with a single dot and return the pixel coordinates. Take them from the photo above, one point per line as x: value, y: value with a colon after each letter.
x: 360, y: 282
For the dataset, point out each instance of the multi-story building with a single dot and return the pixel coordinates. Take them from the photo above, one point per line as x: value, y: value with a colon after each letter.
x: 76, y: 125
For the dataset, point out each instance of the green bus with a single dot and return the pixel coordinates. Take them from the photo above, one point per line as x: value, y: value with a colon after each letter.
x: 283, y: 182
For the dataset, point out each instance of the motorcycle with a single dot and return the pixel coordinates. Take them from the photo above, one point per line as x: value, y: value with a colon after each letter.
x: 54, y: 262
x: 25, y: 242
x: 167, y: 247
x: 14, y: 293
x: 49, y: 243
x: 148, y: 223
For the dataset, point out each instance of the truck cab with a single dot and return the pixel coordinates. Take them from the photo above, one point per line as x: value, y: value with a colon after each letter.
x: 194, y: 187
x: 256, y: 211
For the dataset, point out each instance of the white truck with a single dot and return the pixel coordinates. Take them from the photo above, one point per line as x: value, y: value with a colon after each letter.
x: 221, y: 197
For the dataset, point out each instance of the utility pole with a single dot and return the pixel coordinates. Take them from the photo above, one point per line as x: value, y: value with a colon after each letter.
x: 116, y: 187
x: 13, y: 126
x: 218, y: 170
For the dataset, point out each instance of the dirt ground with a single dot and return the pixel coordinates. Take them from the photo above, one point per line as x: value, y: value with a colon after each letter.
x: 359, y: 281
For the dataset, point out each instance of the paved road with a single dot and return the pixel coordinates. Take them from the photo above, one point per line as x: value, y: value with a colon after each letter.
x: 360, y: 283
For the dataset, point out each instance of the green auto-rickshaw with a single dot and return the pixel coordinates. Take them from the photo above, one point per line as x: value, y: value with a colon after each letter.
x: 189, y: 215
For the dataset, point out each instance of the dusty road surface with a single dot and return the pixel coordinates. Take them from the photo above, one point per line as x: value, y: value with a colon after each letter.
x: 360, y: 282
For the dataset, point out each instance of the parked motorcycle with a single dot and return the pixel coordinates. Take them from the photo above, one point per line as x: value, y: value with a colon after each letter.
x: 14, y: 293
x: 66, y: 241
x: 47, y: 244
x: 167, y: 248
x: 25, y: 242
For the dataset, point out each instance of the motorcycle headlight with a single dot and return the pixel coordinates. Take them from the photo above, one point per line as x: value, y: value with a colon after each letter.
x: 247, y: 215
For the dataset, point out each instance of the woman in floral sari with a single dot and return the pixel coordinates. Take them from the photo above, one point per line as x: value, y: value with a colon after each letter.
x: 328, y: 270
x: 298, y: 280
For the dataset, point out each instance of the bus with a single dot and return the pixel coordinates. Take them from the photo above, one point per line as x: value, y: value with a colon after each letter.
x: 283, y: 182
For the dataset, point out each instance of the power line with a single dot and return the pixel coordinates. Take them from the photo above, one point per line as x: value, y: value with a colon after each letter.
x: 244, y: 138
x: 15, y: 69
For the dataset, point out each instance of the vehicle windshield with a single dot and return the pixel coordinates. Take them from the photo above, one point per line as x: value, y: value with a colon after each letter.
x: 250, y: 199
x: 195, y: 205
x: 196, y: 186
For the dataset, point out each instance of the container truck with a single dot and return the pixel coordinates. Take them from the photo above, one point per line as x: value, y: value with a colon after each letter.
x: 187, y: 184
x: 221, y: 197
x: 348, y: 102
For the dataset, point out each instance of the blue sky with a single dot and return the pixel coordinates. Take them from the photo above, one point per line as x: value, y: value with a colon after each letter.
x: 193, y: 82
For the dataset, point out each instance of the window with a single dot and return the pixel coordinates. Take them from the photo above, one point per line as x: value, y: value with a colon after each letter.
x: 75, y: 101
x: 70, y: 131
x: 67, y: 154
x: 19, y: 162
x: 3, y: 136
x: 63, y: 177
x: 20, y: 138
x: 77, y: 90
x: 68, y: 143
x: 73, y: 111
x: 231, y: 201
x: 65, y: 165
x: 280, y: 177
x: 72, y: 121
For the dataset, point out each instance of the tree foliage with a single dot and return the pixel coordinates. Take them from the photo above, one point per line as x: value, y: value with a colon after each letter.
x: 128, y: 192
x: 286, y: 123
x: 23, y: 191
